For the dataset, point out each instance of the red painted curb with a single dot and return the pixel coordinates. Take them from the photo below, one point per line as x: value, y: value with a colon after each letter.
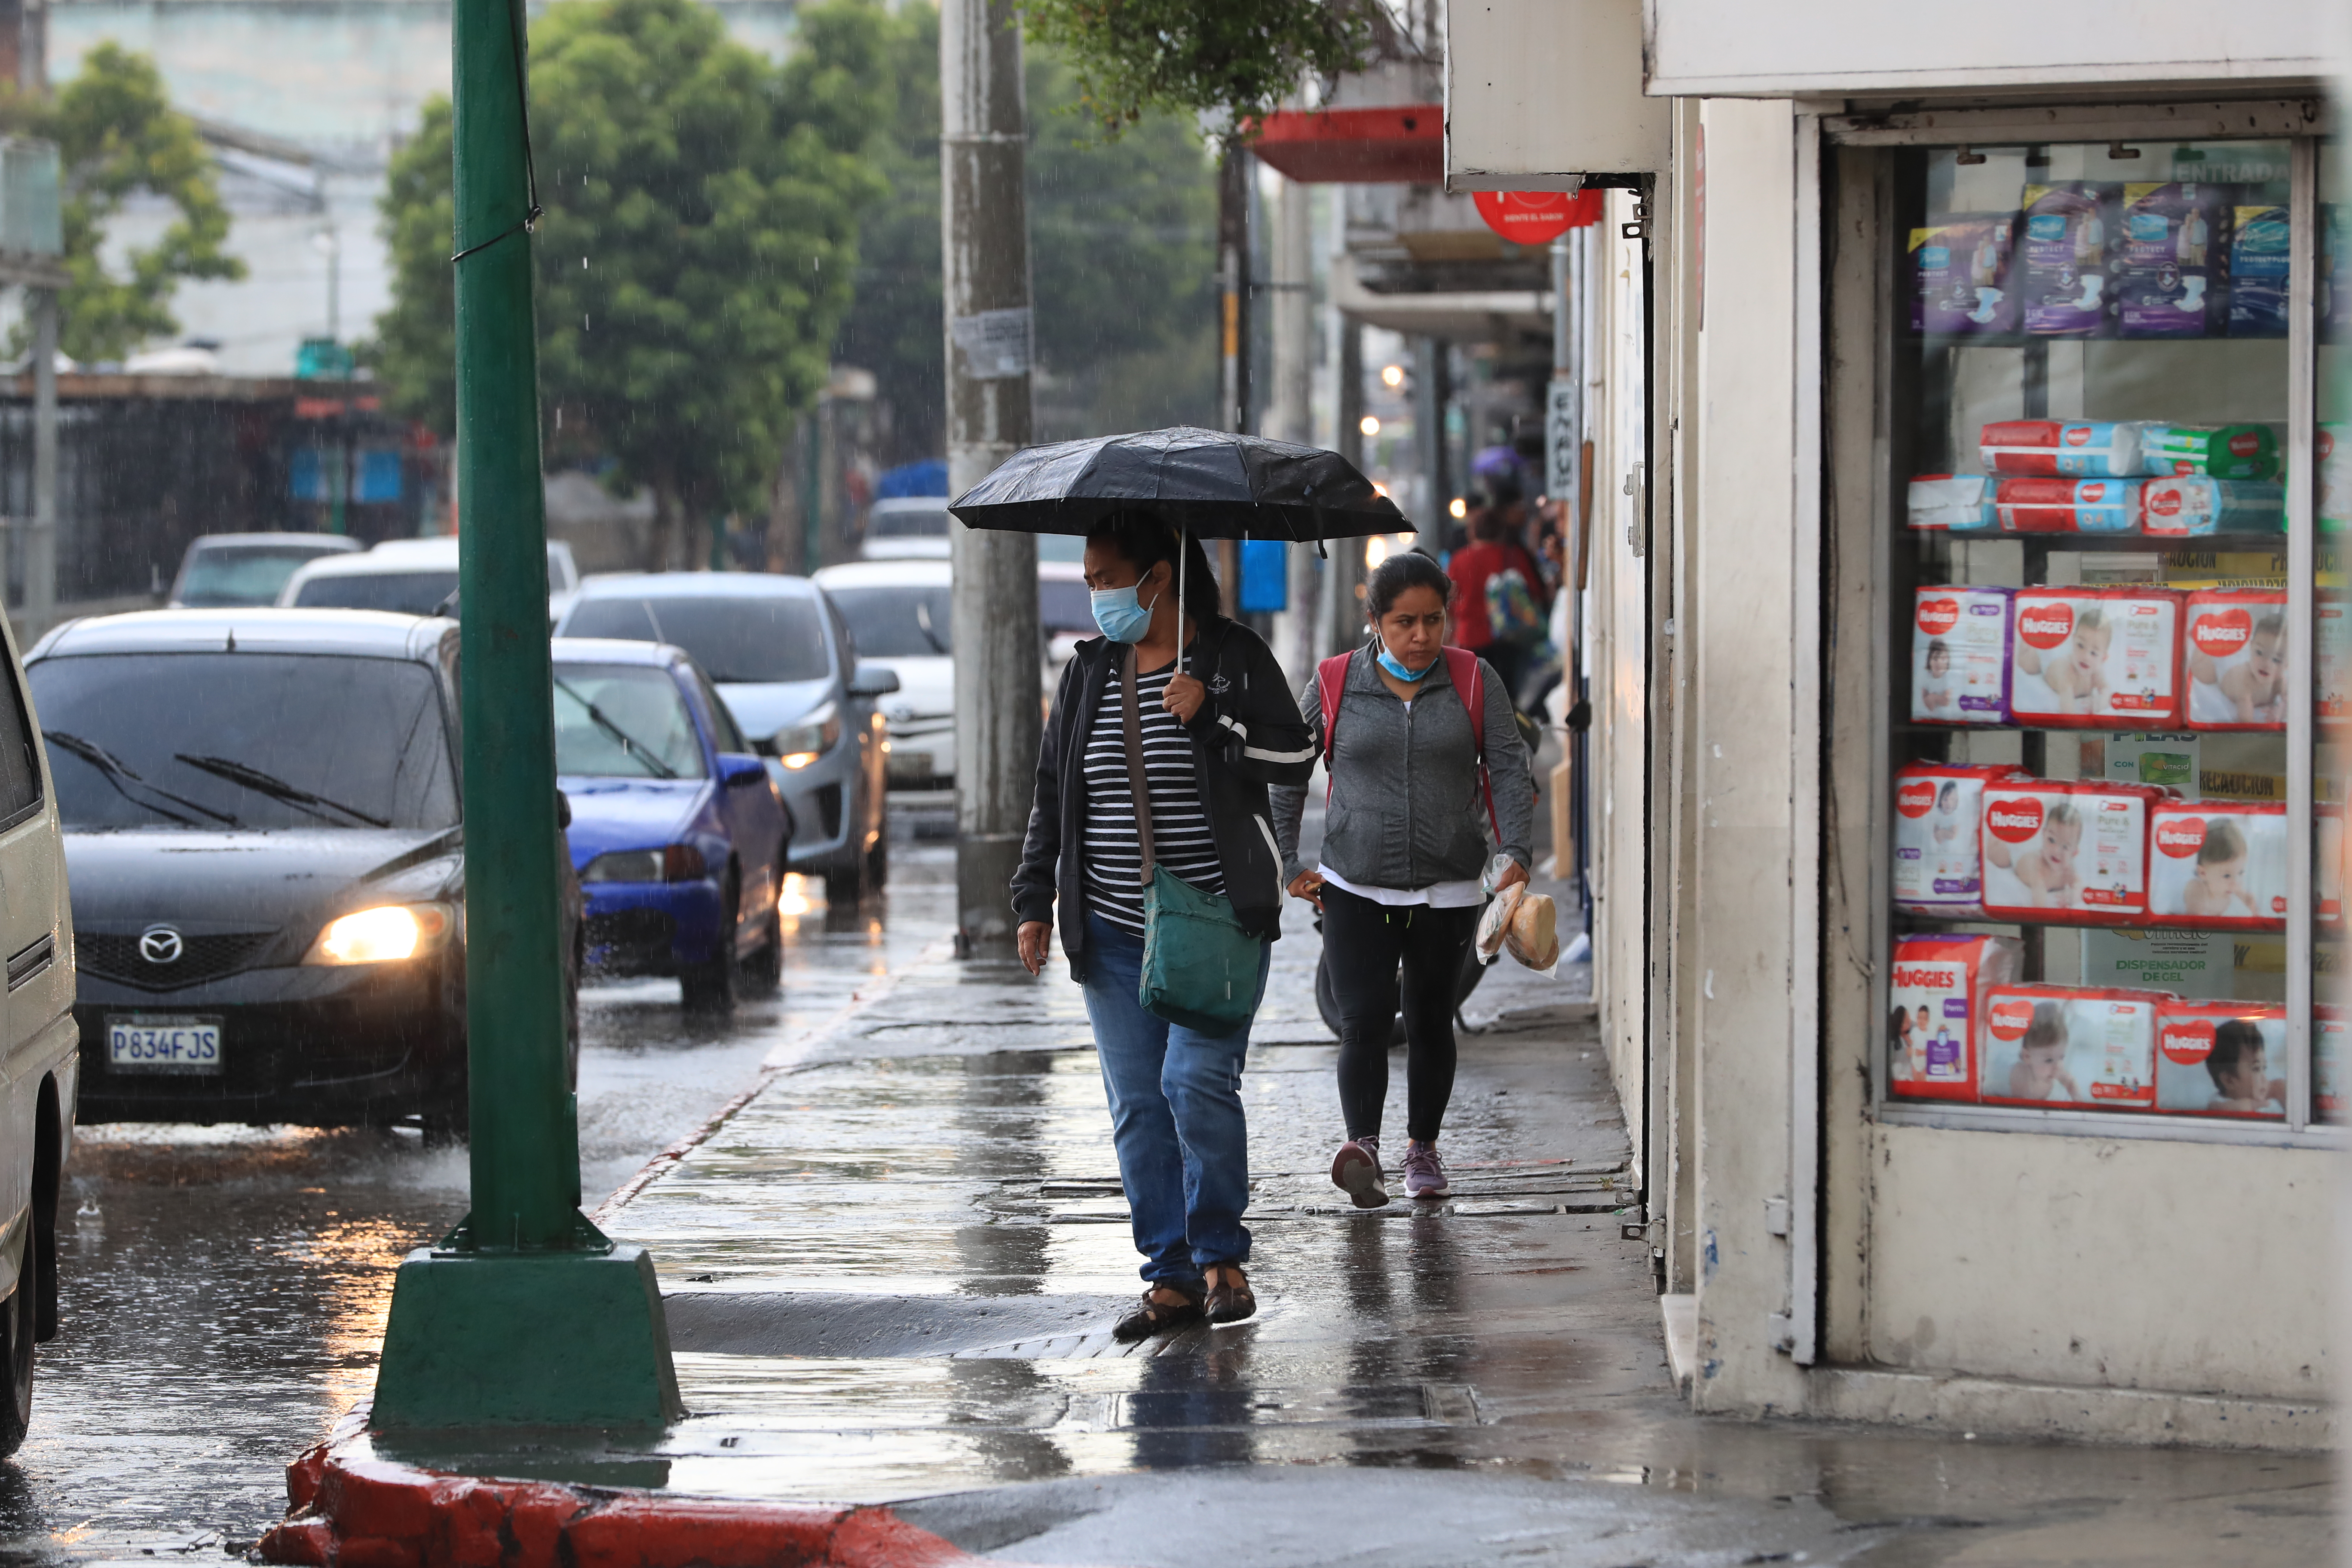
x: 349, y: 1509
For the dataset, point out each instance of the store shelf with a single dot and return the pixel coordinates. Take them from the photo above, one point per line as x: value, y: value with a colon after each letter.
x: 2145, y: 543
x: 1906, y: 921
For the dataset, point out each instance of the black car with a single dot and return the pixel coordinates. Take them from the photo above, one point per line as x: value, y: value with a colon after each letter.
x: 266, y: 863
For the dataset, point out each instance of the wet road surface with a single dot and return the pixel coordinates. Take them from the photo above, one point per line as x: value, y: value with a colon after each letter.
x: 224, y: 1288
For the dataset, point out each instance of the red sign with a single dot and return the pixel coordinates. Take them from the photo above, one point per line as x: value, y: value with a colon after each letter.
x: 1915, y: 797
x: 2186, y: 1041
x: 1537, y: 217
x: 2180, y: 837
x: 2013, y: 819
x: 2011, y: 1016
x: 2046, y: 625
x: 1938, y: 616
x: 2219, y: 636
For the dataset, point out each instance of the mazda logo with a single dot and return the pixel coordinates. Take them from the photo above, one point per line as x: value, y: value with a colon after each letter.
x: 160, y: 944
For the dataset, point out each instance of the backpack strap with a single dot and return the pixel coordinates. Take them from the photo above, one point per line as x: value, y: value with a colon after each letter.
x: 1468, y: 675
x: 1330, y: 681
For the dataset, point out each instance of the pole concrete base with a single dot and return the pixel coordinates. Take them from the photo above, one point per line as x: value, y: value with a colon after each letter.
x: 552, y: 1339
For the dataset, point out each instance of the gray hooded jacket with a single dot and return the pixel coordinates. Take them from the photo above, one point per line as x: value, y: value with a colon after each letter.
x: 1405, y: 808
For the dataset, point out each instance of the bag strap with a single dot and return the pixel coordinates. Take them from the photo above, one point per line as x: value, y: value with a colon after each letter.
x: 1131, y: 724
x: 1462, y: 667
x: 1331, y: 682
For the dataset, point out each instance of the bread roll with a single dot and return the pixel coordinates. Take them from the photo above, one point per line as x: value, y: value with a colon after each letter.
x: 1533, y: 935
x: 1497, y: 921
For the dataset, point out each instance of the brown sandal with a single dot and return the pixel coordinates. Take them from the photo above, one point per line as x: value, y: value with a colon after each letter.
x: 1158, y: 1316
x: 1229, y: 1299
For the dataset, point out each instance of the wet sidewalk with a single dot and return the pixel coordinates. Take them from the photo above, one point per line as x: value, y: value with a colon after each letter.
x: 891, y: 1272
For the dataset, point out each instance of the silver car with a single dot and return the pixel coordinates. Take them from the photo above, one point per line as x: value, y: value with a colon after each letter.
x: 781, y: 657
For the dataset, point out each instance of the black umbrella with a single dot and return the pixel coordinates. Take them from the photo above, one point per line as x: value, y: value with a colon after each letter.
x: 1209, y: 483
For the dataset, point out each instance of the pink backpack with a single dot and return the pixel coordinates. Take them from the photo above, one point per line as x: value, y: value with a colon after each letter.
x: 1462, y: 668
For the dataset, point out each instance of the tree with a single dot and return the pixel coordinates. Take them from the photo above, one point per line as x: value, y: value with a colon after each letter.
x: 116, y: 134
x: 698, y: 246
x: 1240, y: 59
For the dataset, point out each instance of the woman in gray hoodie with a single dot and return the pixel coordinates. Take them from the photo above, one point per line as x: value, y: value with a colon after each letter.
x: 1405, y: 842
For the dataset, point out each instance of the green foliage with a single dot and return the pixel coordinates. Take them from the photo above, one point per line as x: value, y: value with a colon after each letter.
x: 1237, y: 57
x: 117, y: 134
x: 1121, y: 260
x: 415, y: 349
x: 698, y: 246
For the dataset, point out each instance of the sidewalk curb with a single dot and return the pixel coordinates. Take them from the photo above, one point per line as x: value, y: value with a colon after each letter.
x: 349, y: 1509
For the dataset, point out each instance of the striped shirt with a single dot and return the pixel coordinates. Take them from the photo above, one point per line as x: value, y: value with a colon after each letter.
x: 1181, y: 838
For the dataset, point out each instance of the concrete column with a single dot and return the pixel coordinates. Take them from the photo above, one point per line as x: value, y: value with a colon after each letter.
x: 984, y: 237
x: 1343, y: 620
x: 1293, y: 374
x: 41, y: 544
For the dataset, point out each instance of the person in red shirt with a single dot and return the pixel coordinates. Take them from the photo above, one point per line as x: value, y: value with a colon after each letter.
x: 1492, y: 549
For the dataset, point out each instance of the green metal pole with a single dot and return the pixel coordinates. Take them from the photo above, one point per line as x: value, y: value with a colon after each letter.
x: 525, y: 1314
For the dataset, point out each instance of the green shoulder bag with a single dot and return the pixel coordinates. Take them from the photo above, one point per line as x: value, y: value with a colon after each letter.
x: 1200, y: 967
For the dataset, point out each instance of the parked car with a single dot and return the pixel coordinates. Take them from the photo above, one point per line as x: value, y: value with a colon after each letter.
x: 37, y: 1093
x: 906, y: 528
x: 1065, y: 614
x: 679, y: 836
x: 898, y: 613
x: 262, y: 828
x: 221, y: 570
x: 782, y: 658
x: 410, y: 577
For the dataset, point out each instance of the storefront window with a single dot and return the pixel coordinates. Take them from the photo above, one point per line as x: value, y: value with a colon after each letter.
x: 2111, y: 706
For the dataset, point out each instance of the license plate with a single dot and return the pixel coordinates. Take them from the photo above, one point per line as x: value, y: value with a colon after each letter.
x: 909, y: 764
x: 139, y: 1042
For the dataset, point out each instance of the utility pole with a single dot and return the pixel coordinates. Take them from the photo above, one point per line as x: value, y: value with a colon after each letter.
x: 1433, y: 395
x: 525, y: 1314
x: 1343, y: 620
x: 1234, y: 327
x: 984, y: 240
x: 1293, y: 287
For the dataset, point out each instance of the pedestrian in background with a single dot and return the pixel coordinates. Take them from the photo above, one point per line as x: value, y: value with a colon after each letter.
x: 1407, y: 727
x: 1500, y: 627
x: 1212, y: 735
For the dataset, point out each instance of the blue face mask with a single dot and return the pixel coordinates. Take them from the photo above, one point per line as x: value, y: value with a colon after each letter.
x: 1122, y: 618
x: 1389, y: 662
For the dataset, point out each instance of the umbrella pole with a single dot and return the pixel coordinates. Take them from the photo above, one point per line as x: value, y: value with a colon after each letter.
x: 1184, y: 556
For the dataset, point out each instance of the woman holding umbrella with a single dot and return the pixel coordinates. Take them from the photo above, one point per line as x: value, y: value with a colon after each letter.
x: 1192, y: 705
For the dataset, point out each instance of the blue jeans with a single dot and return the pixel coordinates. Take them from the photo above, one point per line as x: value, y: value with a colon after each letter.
x: 1175, y: 1115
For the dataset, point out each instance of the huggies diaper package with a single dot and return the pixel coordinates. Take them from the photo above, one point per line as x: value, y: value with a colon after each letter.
x: 1961, y: 656
x: 1935, y: 999
x: 2085, y: 1048
x: 2073, y: 853
x: 2259, y: 251
x: 2334, y: 462
x: 2191, y: 504
x: 2233, y: 653
x: 2330, y: 1028
x: 2060, y: 448
x: 2217, y: 865
x: 2169, y: 253
x: 2220, y: 1059
x: 2094, y: 657
x: 1938, y: 847
x: 2332, y: 655
x: 2216, y: 451
x: 1957, y: 502
x: 2063, y: 256
x: 2068, y: 506
x: 1960, y: 264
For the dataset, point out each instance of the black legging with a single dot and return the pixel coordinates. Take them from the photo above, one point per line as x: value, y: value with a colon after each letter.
x: 1365, y: 942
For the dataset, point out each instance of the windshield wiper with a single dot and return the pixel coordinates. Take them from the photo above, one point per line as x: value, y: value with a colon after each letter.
x: 275, y: 787
x: 923, y: 620
x: 629, y: 742
x: 123, y: 778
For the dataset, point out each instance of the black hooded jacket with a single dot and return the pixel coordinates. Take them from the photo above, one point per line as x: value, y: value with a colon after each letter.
x: 1247, y: 735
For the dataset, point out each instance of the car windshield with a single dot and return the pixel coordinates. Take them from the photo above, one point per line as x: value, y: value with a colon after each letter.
x: 403, y: 593
x: 741, y: 641
x: 244, y: 741
x: 623, y: 721
x: 231, y: 575
x: 899, y: 620
x: 1064, y: 606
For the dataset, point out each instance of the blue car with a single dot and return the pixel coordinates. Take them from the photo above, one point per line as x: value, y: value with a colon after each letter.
x: 678, y: 833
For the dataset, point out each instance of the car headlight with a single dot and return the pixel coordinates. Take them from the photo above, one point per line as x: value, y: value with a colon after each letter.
x: 673, y: 863
x: 798, y: 746
x: 385, y: 934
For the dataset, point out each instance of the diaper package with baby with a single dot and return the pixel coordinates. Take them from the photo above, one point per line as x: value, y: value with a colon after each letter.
x: 2216, y: 451
x: 1936, y: 998
x: 2333, y: 462
x: 2190, y: 504
x: 2233, y: 653
x: 2259, y: 251
x: 2067, y: 505
x: 1938, y: 850
x: 2168, y: 259
x: 1958, y: 504
x: 2330, y: 1028
x: 2217, y: 865
x: 2094, y: 657
x: 2062, y: 257
x: 1961, y: 275
x: 2060, y: 448
x: 2221, y: 1059
x: 2069, y: 852
x: 2088, y: 1047
x: 1959, y: 655
x: 2331, y: 637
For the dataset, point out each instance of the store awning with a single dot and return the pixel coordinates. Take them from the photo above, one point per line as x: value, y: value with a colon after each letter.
x: 1400, y: 145
x: 1469, y: 315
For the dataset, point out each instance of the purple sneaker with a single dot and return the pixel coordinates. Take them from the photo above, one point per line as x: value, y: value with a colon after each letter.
x: 1356, y: 1171
x: 1424, y: 1172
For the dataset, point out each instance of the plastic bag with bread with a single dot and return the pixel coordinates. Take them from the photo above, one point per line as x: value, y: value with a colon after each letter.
x: 1495, y: 924
x: 1532, y: 932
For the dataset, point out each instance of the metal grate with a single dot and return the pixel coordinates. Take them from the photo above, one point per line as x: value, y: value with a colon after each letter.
x: 202, y: 958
